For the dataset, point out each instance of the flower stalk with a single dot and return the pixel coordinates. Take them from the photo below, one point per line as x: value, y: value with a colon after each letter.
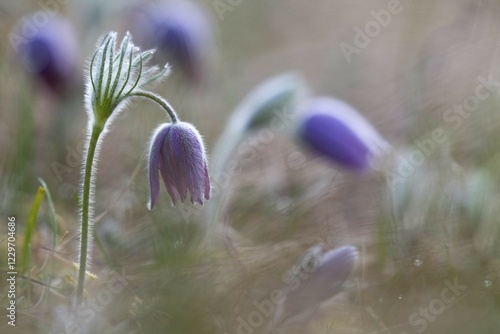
x: 161, y: 101
x: 86, y: 213
x: 114, y: 75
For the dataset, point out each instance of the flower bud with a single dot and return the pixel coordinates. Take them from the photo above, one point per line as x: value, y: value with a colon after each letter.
x: 337, y: 131
x: 177, y: 153
x: 321, y: 278
x: 50, y: 52
x: 180, y: 31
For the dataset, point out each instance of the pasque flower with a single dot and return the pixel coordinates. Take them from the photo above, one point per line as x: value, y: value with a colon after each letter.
x: 50, y: 53
x: 177, y: 153
x: 114, y: 76
x: 321, y: 277
x: 337, y: 131
x: 180, y: 30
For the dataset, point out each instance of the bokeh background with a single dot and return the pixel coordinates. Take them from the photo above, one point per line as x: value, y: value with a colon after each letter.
x: 438, y: 226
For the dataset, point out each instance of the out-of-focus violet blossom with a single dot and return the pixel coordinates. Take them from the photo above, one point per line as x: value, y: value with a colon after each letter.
x: 176, y: 152
x: 337, y: 131
x: 180, y: 30
x: 320, y: 279
x: 51, y: 53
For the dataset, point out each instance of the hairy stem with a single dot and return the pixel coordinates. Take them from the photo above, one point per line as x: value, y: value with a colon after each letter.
x: 161, y: 101
x: 86, y: 201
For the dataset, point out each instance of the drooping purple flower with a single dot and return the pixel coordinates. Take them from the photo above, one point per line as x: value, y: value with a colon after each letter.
x: 337, y: 131
x: 321, y: 278
x: 50, y: 52
x: 177, y: 153
x: 180, y: 30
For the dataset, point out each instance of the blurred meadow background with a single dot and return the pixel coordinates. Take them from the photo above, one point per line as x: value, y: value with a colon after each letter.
x: 427, y: 232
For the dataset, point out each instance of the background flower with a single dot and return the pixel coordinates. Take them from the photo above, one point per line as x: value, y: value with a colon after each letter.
x: 51, y: 53
x: 322, y: 278
x: 180, y: 30
x: 337, y: 131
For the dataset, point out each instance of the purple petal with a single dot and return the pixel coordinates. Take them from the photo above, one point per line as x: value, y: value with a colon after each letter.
x: 195, y: 166
x: 169, y: 182
x: 168, y: 168
x: 174, y: 154
x: 154, y: 162
x: 207, y: 183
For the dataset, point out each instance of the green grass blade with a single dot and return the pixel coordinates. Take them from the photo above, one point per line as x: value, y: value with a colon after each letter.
x: 30, y: 228
x: 52, y: 214
x: 54, y: 226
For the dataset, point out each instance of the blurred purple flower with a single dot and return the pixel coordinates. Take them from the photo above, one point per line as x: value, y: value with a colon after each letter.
x: 177, y: 152
x: 322, y: 278
x: 51, y: 53
x: 337, y: 131
x: 180, y: 30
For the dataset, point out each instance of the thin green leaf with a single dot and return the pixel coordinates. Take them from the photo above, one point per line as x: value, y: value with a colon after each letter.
x: 53, y: 224
x: 30, y: 228
x: 52, y: 214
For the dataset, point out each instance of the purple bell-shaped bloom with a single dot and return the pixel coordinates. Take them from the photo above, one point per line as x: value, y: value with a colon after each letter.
x: 50, y: 53
x: 177, y: 153
x: 337, y: 131
x: 321, y: 278
x: 181, y: 31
